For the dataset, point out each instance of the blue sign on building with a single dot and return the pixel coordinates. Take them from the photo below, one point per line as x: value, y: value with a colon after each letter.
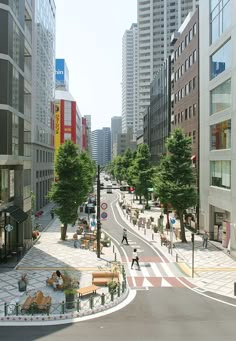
x: 60, y: 71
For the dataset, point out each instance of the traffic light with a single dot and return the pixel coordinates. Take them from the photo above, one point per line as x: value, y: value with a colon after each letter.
x: 127, y: 189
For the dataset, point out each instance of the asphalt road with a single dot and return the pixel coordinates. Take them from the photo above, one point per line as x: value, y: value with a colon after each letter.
x: 165, y: 314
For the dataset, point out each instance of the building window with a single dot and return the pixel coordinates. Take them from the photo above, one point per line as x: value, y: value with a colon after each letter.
x: 190, y: 35
x: 190, y: 60
x: 186, y: 40
x: 194, y: 136
x: 186, y: 114
x: 194, y: 56
x: 182, y: 116
x: 220, y: 173
x: 220, y: 97
x: 182, y: 46
x: 221, y: 59
x: 186, y: 89
x: 194, y: 29
x: 194, y: 82
x: 67, y: 136
x: 186, y: 64
x: 67, y: 113
x: 220, y: 18
x: 182, y: 93
x: 190, y: 110
x: 182, y: 69
x: 194, y: 109
x: 221, y: 135
x: 190, y: 85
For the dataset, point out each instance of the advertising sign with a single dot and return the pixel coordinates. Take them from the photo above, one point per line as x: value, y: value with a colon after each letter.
x: 60, y: 71
x: 57, y: 127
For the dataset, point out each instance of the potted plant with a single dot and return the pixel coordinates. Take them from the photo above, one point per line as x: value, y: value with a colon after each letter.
x: 22, y: 283
x: 70, y: 291
x: 155, y: 229
x: 112, y: 285
x: 152, y: 219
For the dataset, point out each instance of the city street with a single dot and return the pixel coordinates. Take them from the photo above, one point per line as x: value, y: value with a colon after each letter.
x: 158, y: 314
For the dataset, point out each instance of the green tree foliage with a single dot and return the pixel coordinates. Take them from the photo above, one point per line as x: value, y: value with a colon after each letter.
x: 75, y: 172
x: 175, y: 182
x: 141, y: 172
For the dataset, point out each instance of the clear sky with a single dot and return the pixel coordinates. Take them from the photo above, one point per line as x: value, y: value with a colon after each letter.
x: 89, y: 37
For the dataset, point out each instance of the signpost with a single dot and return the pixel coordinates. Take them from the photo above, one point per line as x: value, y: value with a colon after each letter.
x: 8, y: 227
x: 104, y: 206
x: 172, y: 222
x: 104, y: 215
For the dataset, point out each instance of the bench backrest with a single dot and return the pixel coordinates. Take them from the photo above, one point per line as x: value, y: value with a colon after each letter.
x: 105, y: 274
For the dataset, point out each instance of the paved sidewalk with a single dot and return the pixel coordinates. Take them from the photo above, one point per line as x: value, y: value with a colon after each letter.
x: 214, y: 269
x: 49, y: 254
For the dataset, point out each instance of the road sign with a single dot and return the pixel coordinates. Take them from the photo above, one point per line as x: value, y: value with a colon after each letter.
x: 104, y: 215
x: 8, y: 227
x: 104, y: 205
x: 173, y: 221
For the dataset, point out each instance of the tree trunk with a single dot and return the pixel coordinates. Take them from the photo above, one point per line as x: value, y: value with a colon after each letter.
x: 168, y: 219
x: 183, y: 238
x: 140, y: 199
x: 63, y: 231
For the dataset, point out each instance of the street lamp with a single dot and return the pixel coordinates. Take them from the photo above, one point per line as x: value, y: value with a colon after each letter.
x: 98, y: 215
x: 7, y: 215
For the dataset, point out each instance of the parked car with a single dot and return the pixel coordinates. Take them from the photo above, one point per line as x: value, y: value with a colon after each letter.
x: 89, y: 208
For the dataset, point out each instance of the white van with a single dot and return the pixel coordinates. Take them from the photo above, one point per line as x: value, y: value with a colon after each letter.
x: 109, y: 188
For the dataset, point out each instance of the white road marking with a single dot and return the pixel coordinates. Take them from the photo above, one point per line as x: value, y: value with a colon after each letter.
x: 166, y: 269
x: 156, y: 270
x: 164, y: 283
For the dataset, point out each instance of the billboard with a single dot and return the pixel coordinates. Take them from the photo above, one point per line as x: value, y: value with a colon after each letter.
x: 57, y: 127
x: 62, y: 74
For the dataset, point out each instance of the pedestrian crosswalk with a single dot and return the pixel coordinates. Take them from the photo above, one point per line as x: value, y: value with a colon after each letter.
x: 155, y: 275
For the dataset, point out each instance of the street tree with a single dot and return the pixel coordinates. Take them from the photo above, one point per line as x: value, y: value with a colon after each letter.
x: 74, y: 175
x: 141, y: 172
x: 175, y: 182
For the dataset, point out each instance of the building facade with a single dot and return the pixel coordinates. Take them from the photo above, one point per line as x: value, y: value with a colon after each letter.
x: 217, y: 120
x: 116, y: 128
x: 130, y: 79
x: 43, y: 92
x: 89, y: 132
x: 101, y: 146
x: 157, y: 20
x: 157, y: 119
x: 15, y: 126
x: 68, y: 120
x: 185, y: 77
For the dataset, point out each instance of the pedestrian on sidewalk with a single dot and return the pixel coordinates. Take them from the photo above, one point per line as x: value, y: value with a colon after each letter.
x: 135, y: 258
x: 205, y: 239
x: 52, y: 213
x: 125, y: 237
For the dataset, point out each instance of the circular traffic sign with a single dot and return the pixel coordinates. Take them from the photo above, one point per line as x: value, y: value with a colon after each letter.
x: 104, y: 206
x: 104, y: 215
x: 172, y: 220
x: 8, y: 227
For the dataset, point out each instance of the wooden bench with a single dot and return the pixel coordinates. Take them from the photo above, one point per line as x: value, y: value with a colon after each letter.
x: 93, y: 247
x: 39, y: 302
x: 165, y: 241
x: 87, y: 290
x: 102, y: 278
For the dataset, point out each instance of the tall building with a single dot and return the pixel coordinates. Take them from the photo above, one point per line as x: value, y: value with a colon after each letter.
x: 157, y: 20
x: 123, y: 142
x: 217, y: 120
x: 116, y: 128
x: 43, y: 86
x: 88, y: 123
x: 15, y: 126
x: 101, y: 146
x: 130, y: 79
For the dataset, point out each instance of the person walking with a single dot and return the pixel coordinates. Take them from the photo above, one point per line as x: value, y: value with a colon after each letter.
x: 125, y: 237
x: 205, y: 239
x: 52, y: 213
x: 135, y: 258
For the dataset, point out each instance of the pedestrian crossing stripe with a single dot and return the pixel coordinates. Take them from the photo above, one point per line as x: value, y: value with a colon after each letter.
x: 157, y: 282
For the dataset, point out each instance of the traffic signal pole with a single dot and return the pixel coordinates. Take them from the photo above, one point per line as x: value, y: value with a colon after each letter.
x: 98, y: 215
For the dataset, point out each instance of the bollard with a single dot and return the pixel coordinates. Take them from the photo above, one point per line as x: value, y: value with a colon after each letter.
x: 103, y: 299
x: 112, y: 295
x: 153, y: 236
x: 5, y: 309
x: 115, y: 256
x: 78, y: 304
x: 176, y: 258
x: 48, y: 308
x: 144, y: 231
x: 17, y: 309
x: 123, y: 286
x: 234, y: 288
x: 63, y: 307
x: 91, y: 302
x: 118, y: 291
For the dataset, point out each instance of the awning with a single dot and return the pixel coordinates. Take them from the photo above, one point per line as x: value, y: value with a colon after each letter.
x: 193, y: 157
x: 17, y: 214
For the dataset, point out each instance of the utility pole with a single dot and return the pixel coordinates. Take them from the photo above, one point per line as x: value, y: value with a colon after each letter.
x: 98, y: 214
x: 192, y: 238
